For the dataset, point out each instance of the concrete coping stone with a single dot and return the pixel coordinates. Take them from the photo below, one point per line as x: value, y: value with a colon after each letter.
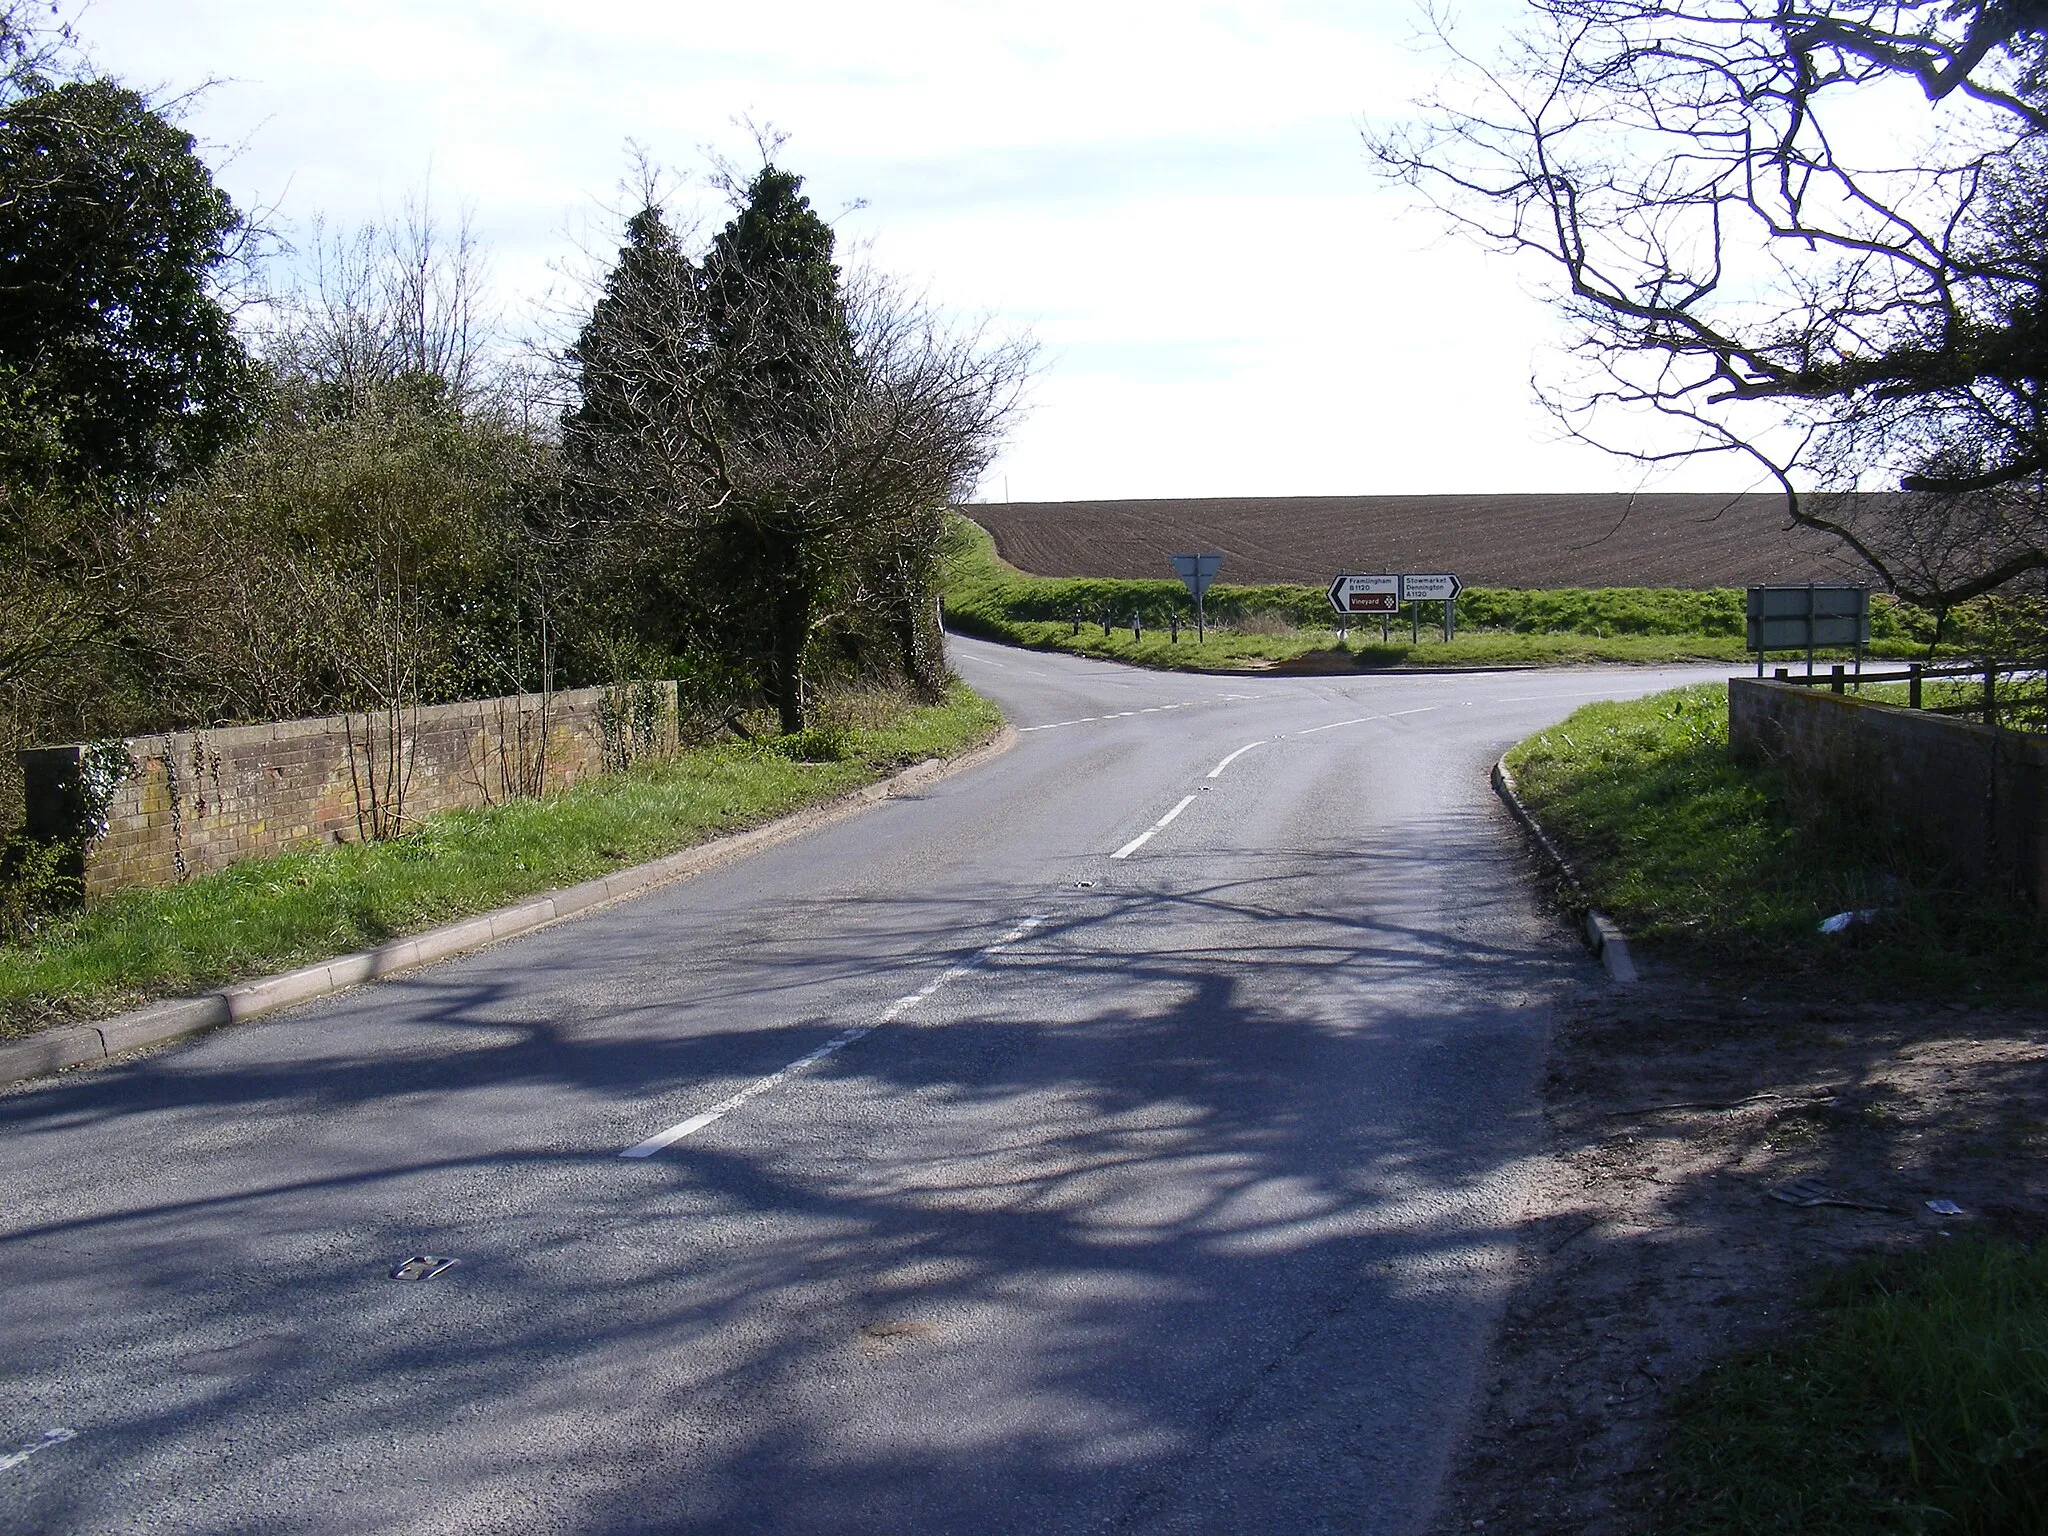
x: 76, y: 1045
x: 282, y: 733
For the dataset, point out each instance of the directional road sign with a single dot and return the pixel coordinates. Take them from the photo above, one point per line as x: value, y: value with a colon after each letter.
x: 1440, y: 588
x: 1197, y: 572
x: 1366, y: 594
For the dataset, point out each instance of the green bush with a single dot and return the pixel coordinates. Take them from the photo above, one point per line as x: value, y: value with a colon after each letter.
x: 817, y: 744
x: 38, y: 880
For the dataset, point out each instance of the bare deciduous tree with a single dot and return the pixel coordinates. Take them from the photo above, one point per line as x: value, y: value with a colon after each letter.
x: 1809, y: 232
x: 401, y: 303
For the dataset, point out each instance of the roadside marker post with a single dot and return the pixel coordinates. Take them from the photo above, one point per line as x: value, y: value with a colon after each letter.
x: 1197, y: 573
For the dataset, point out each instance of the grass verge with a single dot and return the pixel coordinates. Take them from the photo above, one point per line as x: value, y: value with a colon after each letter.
x: 1728, y: 865
x: 265, y: 915
x: 1289, y: 627
x: 1916, y: 1401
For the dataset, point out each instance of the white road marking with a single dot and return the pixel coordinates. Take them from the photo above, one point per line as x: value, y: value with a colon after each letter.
x: 1545, y: 698
x: 839, y: 1042
x: 1001, y: 666
x: 1217, y: 771
x: 1362, y: 719
x: 1122, y: 714
x: 1136, y: 843
x: 51, y: 1437
x: 1152, y: 831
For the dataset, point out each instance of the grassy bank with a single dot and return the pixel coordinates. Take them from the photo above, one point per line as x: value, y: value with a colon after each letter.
x: 266, y: 915
x: 1915, y: 1400
x: 1730, y: 865
x: 1291, y: 627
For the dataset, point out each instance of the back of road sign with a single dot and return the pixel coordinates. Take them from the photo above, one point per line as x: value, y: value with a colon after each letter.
x: 1366, y: 594
x: 1197, y: 572
x: 1809, y: 617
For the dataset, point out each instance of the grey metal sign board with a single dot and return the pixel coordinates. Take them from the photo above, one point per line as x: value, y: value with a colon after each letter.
x: 1366, y: 594
x: 1197, y: 572
x: 1440, y: 588
x: 1807, y: 617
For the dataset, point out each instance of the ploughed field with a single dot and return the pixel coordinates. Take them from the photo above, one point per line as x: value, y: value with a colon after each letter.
x: 1661, y: 540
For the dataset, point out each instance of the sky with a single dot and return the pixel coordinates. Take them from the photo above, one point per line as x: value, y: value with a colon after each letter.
x: 1174, y: 200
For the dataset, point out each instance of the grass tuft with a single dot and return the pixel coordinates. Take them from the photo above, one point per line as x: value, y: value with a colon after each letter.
x: 265, y: 915
x: 1733, y: 864
x: 1915, y: 1401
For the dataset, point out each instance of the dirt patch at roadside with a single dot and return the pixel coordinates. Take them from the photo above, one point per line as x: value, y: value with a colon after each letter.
x: 1654, y: 1243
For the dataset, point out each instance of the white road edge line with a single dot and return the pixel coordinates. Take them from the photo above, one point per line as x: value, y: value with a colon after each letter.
x: 1217, y: 771
x: 675, y: 1133
x: 1152, y: 831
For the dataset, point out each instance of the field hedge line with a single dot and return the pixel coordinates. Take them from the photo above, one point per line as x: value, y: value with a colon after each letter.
x: 985, y: 596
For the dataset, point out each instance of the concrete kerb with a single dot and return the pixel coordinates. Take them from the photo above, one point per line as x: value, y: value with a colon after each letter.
x: 76, y: 1045
x: 1603, y: 935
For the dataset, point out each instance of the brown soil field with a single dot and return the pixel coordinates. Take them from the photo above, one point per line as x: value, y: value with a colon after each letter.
x: 1663, y: 540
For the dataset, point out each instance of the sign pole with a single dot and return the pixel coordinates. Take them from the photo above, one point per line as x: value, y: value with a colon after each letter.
x: 1195, y: 573
x: 1434, y: 587
x: 1354, y: 596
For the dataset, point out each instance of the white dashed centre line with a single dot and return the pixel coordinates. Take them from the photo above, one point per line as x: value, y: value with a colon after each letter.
x: 1122, y: 714
x: 51, y: 1437
x: 1152, y: 831
x: 839, y: 1042
x: 1362, y: 719
x: 1217, y: 771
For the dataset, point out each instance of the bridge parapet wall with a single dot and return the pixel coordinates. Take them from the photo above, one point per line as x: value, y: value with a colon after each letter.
x: 1971, y: 795
x: 155, y: 810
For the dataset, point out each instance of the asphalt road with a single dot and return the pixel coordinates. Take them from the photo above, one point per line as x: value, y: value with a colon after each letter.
x: 1160, y: 1175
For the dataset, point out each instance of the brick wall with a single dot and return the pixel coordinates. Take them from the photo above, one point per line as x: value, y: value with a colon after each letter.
x: 1968, y: 795
x: 180, y: 804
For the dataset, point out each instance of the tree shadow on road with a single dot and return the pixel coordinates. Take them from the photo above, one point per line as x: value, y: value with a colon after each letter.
x: 1189, y: 1212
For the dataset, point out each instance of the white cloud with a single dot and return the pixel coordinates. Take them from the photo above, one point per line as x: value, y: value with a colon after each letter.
x: 1173, y: 198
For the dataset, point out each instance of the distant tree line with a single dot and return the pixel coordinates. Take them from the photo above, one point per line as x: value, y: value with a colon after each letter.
x: 224, y: 502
